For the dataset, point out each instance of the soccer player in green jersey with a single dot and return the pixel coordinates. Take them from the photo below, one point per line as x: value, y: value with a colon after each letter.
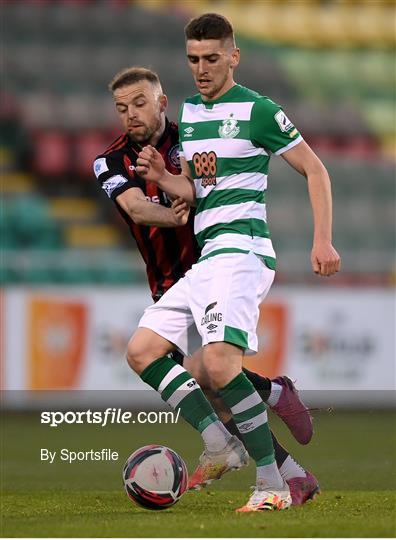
x: 227, y: 133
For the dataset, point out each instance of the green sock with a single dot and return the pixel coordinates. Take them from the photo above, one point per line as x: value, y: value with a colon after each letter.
x: 181, y: 391
x: 250, y: 416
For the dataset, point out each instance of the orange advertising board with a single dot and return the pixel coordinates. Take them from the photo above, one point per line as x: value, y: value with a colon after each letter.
x: 272, y: 337
x: 57, y: 330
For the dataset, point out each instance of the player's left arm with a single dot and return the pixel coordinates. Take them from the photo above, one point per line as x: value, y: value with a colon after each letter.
x: 324, y: 258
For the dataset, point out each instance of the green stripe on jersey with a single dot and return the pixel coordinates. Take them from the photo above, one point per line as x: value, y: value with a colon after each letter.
x: 210, y: 130
x: 229, y: 166
x: 222, y: 251
x: 223, y: 197
x: 248, y: 227
x: 270, y: 262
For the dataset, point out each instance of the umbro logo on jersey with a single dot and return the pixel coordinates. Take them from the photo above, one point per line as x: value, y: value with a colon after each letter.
x: 188, y: 131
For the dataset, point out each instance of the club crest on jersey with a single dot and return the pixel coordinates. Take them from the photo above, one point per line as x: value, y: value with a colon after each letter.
x: 173, y: 155
x: 229, y: 128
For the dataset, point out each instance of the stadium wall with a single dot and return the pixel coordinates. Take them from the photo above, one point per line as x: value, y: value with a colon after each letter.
x: 338, y: 344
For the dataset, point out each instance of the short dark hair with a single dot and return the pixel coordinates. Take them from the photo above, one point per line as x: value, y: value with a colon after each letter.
x: 209, y: 26
x: 132, y: 75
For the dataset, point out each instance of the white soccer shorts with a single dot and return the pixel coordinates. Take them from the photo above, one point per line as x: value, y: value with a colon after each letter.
x: 219, y: 297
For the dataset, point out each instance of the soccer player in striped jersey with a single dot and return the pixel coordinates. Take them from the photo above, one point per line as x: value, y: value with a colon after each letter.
x: 116, y: 171
x: 227, y: 133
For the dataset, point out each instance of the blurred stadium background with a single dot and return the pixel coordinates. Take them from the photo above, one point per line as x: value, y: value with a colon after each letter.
x: 73, y: 285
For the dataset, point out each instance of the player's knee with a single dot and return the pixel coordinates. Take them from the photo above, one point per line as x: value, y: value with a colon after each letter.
x: 215, y: 367
x: 216, y: 375
x: 143, y: 349
x: 222, y: 363
x: 196, y: 369
x: 135, y: 356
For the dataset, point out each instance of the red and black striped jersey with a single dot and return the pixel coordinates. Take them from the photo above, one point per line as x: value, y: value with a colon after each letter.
x: 167, y: 251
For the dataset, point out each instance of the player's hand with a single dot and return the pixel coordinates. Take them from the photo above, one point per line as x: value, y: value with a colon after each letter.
x: 181, y: 211
x: 325, y: 259
x: 150, y: 164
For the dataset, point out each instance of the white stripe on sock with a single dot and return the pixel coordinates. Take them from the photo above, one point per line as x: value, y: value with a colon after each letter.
x: 276, y: 390
x: 247, y: 403
x: 291, y: 469
x: 172, y: 374
x: 182, y: 392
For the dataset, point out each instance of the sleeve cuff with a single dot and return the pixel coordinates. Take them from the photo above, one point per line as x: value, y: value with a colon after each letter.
x: 292, y: 144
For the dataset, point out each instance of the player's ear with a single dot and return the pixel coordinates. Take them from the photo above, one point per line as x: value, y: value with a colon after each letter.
x: 163, y: 102
x: 236, y: 54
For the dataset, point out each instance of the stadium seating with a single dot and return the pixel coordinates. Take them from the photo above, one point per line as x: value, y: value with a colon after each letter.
x: 335, y: 23
x: 333, y: 73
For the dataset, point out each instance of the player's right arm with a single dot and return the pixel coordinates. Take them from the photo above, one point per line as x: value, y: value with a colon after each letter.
x: 151, y: 167
x: 144, y: 212
x: 124, y: 189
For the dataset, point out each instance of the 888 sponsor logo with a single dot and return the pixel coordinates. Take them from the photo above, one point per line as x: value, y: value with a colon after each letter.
x: 205, y: 165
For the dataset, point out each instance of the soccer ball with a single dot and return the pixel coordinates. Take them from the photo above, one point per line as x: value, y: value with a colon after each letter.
x: 155, y: 477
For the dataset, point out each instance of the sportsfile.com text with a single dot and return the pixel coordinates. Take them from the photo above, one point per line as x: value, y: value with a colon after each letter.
x: 109, y: 416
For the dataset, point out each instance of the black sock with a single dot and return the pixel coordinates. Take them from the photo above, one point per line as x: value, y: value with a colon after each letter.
x: 280, y: 452
x: 231, y: 426
x: 261, y: 384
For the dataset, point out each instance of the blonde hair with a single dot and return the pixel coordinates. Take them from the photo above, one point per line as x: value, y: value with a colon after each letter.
x: 132, y: 75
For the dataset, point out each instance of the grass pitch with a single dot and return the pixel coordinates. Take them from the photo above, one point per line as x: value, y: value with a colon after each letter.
x: 352, y: 454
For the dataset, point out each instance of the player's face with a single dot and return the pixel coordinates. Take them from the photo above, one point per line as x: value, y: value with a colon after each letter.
x: 141, y: 107
x: 212, y: 62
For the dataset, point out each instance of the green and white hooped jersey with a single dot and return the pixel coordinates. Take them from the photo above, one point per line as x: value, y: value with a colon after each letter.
x: 227, y: 143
